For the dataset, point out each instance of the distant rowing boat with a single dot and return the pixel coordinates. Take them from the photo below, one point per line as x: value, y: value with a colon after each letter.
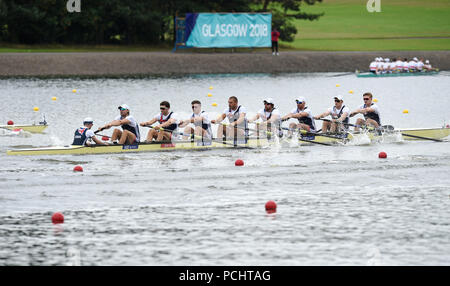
x: 414, y: 134
x: 369, y: 74
x: 35, y: 128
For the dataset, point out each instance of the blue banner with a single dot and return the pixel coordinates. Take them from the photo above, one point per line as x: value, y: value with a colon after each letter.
x: 212, y: 30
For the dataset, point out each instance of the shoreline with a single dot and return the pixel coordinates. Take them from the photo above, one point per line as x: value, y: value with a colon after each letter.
x: 125, y: 64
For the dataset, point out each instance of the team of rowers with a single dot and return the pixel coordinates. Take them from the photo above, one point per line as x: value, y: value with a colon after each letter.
x: 198, y: 125
x: 380, y: 65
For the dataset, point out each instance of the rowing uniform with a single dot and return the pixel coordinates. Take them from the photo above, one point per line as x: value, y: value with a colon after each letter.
x: 82, y: 135
x: 266, y: 115
x: 205, y: 123
x: 373, y: 67
x: 399, y: 65
x: 160, y: 118
x: 386, y: 67
x: 412, y: 66
x: 233, y: 115
x: 393, y: 66
x: 405, y: 66
x: 133, y: 127
x: 372, y: 115
x: 308, y: 120
x: 420, y: 66
x: 337, y: 113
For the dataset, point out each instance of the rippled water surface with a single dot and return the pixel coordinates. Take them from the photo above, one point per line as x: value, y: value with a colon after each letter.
x: 337, y: 205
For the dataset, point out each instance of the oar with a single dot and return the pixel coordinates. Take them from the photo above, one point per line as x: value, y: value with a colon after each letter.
x: 304, y: 132
x: 421, y: 137
x: 309, y: 141
x: 192, y: 135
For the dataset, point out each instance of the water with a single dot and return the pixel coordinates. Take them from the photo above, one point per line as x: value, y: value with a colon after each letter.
x: 337, y: 205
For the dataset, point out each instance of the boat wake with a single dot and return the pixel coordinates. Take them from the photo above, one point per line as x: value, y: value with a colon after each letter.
x: 15, y: 133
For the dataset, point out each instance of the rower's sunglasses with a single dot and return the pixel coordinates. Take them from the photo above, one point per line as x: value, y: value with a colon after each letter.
x: 121, y: 108
x: 162, y: 108
x: 193, y: 106
x: 337, y: 100
x: 366, y: 99
x: 299, y: 102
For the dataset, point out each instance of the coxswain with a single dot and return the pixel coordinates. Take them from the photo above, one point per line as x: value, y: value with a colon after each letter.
x: 84, y: 135
x: 369, y: 110
x: 339, y: 117
x: 200, y: 121
x: 237, y: 117
x: 130, y: 129
x: 168, y: 124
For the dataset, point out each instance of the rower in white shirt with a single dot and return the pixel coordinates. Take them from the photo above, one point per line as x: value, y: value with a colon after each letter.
x: 412, y: 65
x: 237, y: 117
x: 130, y: 129
x: 420, y: 65
x: 405, y: 65
x: 386, y: 66
x: 167, y: 121
x: 304, y: 116
x: 270, y: 117
x: 369, y: 110
x: 199, y: 119
x: 373, y: 67
x: 398, y: 65
x: 427, y: 66
x: 339, y: 116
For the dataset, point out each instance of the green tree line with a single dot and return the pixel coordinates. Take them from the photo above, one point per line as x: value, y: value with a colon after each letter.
x: 127, y: 21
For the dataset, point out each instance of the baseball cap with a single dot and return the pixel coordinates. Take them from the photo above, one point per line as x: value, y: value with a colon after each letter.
x: 427, y: 61
x: 301, y: 99
x: 340, y: 97
x: 124, y: 106
x: 386, y: 60
x: 269, y: 100
x: 88, y: 120
x: 415, y: 59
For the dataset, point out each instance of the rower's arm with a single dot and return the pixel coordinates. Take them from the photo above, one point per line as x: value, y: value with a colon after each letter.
x: 168, y: 123
x: 343, y: 116
x: 254, y: 118
x: 286, y: 117
x: 148, y: 122
x: 353, y: 113
x: 298, y: 115
x: 325, y: 114
x: 219, y: 119
x: 240, y: 119
x: 109, y: 125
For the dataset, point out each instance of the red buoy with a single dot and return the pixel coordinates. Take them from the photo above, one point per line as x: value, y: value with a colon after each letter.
x: 447, y: 126
x: 57, y: 218
x: 78, y: 169
x: 239, y: 162
x: 271, y: 207
x: 10, y: 122
x: 382, y: 155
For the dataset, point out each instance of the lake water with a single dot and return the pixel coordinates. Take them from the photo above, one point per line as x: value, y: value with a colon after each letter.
x: 339, y: 205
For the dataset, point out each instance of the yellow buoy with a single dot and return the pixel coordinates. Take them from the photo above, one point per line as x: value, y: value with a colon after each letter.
x: 405, y: 111
x: 338, y: 85
x: 36, y: 108
x: 210, y: 87
x: 54, y: 98
x: 74, y: 90
x: 209, y: 94
x: 351, y: 91
x: 214, y: 104
x: 375, y: 100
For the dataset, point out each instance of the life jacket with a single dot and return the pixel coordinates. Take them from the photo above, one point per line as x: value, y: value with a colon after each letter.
x: 172, y: 126
x: 80, y: 136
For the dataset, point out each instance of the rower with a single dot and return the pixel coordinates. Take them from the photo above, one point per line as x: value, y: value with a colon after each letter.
x: 303, y: 114
x: 339, y: 116
x: 130, y: 129
x: 412, y: 65
x: 270, y: 116
x: 167, y: 121
x: 399, y: 65
x: 237, y: 116
x: 200, y: 120
x: 369, y: 110
x: 386, y: 66
x: 420, y: 65
x: 373, y: 67
x: 427, y: 66
x: 405, y: 65
x: 84, y: 135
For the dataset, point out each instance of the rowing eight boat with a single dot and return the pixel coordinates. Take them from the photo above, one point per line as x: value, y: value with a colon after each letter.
x: 415, y: 134
x: 369, y: 74
x: 35, y: 128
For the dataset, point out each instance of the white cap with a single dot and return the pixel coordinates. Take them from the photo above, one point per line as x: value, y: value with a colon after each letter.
x: 124, y: 106
x: 301, y: 99
x: 269, y: 100
x: 386, y: 60
x: 415, y: 59
x: 340, y: 97
x: 427, y: 61
x: 88, y: 120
